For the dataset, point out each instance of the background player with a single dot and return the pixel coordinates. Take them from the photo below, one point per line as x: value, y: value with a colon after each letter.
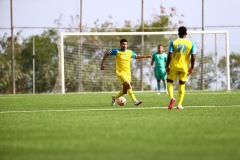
x: 160, y: 59
x: 123, y: 70
x: 182, y: 52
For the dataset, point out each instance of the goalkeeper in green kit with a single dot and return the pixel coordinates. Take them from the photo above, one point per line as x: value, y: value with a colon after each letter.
x: 160, y: 59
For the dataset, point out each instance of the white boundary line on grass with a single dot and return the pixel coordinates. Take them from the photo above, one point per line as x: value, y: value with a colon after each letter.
x: 109, y: 109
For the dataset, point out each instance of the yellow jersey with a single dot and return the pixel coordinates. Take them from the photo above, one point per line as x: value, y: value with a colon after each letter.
x: 123, y: 61
x: 181, y: 48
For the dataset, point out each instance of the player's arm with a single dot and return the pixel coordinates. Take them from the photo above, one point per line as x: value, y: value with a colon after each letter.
x: 103, y: 60
x: 193, y: 56
x: 169, y: 58
x: 152, y: 61
x: 143, y: 56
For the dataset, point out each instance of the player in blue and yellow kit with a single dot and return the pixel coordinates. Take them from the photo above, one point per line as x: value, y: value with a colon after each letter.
x: 123, y: 70
x: 182, y: 52
x: 160, y: 60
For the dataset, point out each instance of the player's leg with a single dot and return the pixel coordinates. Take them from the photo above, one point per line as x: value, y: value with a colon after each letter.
x: 163, y: 77
x: 158, y: 86
x: 121, y: 81
x: 181, y: 92
x: 127, y: 88
x: 171, y: 77
x: 165, y: 85
x: 130, y: 93
x: 157, y: 76
x: 120, y: 93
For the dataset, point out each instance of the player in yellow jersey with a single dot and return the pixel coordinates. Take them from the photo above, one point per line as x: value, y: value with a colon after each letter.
x: 182, y: 52
x: 123, y: 70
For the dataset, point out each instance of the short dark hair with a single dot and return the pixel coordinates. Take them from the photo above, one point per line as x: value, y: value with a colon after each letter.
x: 182, y: 30
x: 123, y: 40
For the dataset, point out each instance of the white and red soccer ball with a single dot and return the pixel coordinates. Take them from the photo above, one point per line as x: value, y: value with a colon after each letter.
x: 121, y: 101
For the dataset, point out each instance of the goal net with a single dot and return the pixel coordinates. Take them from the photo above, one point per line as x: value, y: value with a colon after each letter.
x: 81, y: 55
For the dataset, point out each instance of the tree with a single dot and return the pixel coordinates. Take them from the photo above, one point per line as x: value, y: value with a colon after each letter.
x: 234, y: 70
x: 6, y: 63
x: 45, y: 61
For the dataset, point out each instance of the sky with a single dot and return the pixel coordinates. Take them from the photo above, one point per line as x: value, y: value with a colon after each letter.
x: 218, y: 14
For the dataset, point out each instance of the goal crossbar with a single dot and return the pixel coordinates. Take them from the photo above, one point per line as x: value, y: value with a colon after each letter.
x: 137, y: 33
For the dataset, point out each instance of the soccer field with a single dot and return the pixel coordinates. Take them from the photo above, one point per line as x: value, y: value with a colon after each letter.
x: 86, y: 127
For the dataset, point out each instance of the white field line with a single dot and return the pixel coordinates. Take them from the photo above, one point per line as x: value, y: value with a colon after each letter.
x: 109, y: 109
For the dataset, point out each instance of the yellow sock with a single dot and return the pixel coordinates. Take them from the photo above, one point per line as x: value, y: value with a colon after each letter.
x: 119, y: 94
x: 170, y: 89
x: 181, y: 94
x: 130, y: 93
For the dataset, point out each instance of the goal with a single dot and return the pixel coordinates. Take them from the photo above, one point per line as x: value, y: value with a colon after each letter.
x: 81, y: 55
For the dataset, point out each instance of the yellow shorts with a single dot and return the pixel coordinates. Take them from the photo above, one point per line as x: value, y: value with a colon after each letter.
x: 174, y: 74
x: 124, y: 78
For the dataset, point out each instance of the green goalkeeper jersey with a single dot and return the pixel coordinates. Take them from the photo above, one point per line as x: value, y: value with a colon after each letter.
x: 160, y: 60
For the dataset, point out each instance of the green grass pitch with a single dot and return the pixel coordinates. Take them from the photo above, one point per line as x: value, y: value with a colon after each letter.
x: 86, y: 127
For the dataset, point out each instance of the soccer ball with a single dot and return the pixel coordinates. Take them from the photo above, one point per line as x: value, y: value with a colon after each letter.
x: 121, y: 101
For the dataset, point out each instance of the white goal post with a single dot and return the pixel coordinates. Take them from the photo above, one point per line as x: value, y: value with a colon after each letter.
x: 170, y: 36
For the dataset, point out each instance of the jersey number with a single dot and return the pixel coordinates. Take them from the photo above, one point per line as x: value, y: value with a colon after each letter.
x: 181, y: 47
